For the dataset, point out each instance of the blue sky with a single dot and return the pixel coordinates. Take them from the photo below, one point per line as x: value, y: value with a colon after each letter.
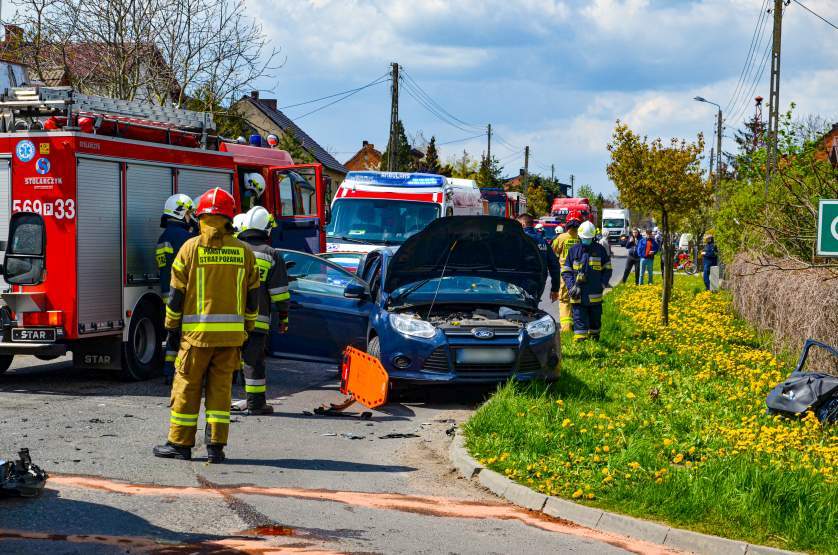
x: 551, y: 74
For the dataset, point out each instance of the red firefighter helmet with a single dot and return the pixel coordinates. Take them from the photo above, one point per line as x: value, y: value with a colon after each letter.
x: 216, y: 201
x: 574, y: 218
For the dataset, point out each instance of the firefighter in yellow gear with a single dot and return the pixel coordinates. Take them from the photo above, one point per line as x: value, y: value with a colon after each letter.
x: 214, y: 303
x: 561, y: 246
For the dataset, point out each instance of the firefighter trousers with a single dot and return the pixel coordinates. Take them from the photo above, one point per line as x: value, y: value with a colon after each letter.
x: 199, y: 368
x: 255, y: 382
x: 587, y: 321
x: 565, y: 315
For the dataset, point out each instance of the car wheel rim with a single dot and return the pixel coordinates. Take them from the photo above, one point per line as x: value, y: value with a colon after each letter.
x: 144, y: 341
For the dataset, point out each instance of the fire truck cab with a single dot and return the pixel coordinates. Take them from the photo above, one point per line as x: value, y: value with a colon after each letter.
x: 81, y: 207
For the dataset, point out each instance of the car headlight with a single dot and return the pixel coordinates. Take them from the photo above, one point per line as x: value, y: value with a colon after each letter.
x: 412, y: 327
x: 542, y: 327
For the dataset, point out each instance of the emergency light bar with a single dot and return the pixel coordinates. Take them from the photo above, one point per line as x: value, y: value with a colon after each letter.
x: 400, y: 179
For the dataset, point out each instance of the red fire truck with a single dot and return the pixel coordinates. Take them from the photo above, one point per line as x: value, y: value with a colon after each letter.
x: 81, y: 202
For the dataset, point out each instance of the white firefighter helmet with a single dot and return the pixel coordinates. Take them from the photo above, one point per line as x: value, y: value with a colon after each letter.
x: 238, y: 222
x: 587, y: 230
x: 254, y: 182
x: 259, y: 218
x: 178, y: 206
x: 559, y: 230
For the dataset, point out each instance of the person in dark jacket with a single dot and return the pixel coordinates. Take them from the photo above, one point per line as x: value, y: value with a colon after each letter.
x: 586, y: 273
x: 711, y: 258
x: 632, y: 260
x: 547, y: 255
x: 176, y: 222
x: 274, y: 298
x: 647, y: 248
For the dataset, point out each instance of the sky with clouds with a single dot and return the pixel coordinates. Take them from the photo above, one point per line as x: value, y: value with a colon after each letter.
x: 551, y: 74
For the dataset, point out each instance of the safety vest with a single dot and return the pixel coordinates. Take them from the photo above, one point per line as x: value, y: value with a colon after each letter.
x: 593, y: 261
x: 562, y: 245
x: 174, y: 235
x: 273, y: 279
x: 215, y: 285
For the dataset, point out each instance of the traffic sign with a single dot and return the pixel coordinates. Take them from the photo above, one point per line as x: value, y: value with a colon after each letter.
x: 828, y: 228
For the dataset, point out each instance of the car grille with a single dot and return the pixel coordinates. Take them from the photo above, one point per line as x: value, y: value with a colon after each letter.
x: 437, y: 361
x: 529, y: 362
x: 465, y: 331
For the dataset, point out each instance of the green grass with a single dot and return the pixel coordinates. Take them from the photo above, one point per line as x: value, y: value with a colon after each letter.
x: 669, y: 425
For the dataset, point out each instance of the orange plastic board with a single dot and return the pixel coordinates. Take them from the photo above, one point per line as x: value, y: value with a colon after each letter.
x: 363, y: 377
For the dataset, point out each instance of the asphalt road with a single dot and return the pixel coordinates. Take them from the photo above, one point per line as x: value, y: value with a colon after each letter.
x: 295, y: 482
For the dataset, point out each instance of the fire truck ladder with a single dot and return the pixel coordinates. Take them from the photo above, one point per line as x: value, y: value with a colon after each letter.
x: 48, y: 101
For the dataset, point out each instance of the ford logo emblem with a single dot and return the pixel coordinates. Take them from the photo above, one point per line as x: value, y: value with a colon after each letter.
x: 483, y: 333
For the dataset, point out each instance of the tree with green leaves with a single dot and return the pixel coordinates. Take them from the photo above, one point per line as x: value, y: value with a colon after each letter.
x: 464, y: 167
x: 292, y: 145
x: 431, y: 162
x: 537, y: 201
x: 661, y: 178
x: 490, y: 172
x: 585, y: 191
x: 403, y: 159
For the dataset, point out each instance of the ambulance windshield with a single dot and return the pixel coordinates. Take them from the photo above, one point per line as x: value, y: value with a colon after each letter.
x: 378, y: 221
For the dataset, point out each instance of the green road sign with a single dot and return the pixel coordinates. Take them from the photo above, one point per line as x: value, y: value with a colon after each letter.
x: 828, y: 228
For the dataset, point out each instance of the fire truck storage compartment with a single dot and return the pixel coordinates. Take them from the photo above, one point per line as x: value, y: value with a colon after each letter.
x: 195, y: 183
x: 147, y: 189
x: 5, y: 203
x: 99, y: 246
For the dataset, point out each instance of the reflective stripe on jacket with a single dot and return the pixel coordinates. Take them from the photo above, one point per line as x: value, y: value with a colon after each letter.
x: 174, y: 235
x: 273, y: 277
x: 214, y: 288
x: 593, y: 261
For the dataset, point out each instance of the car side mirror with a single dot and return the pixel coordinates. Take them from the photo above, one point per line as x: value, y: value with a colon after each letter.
x: 355, y: 290
x: 290, y: 264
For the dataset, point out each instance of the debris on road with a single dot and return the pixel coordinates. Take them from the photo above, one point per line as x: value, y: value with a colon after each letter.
x: 397, y: 436
x: 21, y: 477
x: 348, y: 435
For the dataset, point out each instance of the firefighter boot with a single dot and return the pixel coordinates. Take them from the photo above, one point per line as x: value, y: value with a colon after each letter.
x: 256, y: 404
x: 172, y: 451
x: 215, y: 454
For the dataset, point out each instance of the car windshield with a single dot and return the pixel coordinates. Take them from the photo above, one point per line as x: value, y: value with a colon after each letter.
x: 612, y: 223
x: 377, y: 221
x: 460, y: 288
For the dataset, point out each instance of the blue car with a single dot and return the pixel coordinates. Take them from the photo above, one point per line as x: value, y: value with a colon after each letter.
x: 457, y: 302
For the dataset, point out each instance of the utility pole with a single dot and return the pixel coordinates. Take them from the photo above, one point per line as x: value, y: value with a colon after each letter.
x: 718, y: 151
x: 526, y: 169
x: 489, y: 144
x: 553, y: 174
x: 712, y: 157
x: 394, y: 118
x: 572, y: 187
x: 774, y: 97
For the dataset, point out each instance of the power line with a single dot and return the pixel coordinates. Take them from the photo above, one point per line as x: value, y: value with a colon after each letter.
x: 822, y: 18
x: 754, y: 71
x: 462, y: 140
x: 749, y: 57
x: 439, y: 107
x: 412, y: 92
x: 332, y: 95
x: 354, y: 92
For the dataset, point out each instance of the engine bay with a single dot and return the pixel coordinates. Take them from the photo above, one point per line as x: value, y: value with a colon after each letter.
x: 453, y: 316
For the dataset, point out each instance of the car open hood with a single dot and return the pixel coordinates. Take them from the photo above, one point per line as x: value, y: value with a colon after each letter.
x: 486, y: 246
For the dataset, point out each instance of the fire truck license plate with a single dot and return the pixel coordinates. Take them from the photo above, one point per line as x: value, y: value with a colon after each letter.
x: 33, y: 335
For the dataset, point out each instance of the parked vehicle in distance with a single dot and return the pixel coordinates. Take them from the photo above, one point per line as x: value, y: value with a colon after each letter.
x: 561, y: 206
x: 347, y: 260
x: 498, y: 202
x: 375, y: 209
x: 456, y: 303
x: 616, y: 222
x: 517, y: 204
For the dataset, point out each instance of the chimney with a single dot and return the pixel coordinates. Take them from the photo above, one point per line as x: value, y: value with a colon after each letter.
x: 13, y: 34
x: 365, y: 144
x: 269, y: 102
x: 254, y: 95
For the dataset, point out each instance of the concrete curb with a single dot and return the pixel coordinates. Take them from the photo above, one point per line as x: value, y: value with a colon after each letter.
x: 591, y: 517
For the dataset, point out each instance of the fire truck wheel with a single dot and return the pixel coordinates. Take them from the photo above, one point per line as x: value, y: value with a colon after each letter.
x: 142, y: 354
x: 5, y: 362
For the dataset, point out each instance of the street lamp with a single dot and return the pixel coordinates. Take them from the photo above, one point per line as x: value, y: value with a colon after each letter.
x: 718, y: 137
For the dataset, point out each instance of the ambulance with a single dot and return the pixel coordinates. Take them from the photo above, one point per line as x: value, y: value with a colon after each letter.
x: 374, y: 209
x: 83, y: 180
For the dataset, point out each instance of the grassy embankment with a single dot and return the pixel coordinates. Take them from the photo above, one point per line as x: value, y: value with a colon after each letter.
x: 669, y: 424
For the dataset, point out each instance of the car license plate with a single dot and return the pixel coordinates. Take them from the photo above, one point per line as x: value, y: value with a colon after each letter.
x: 485, y: 356
x: 33, y: 335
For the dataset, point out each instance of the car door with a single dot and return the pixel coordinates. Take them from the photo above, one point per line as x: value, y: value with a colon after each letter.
x: 321, y: 320
x: 299, y: 207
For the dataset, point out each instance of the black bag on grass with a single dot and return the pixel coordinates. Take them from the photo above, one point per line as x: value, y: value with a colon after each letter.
x: 802, y: 391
